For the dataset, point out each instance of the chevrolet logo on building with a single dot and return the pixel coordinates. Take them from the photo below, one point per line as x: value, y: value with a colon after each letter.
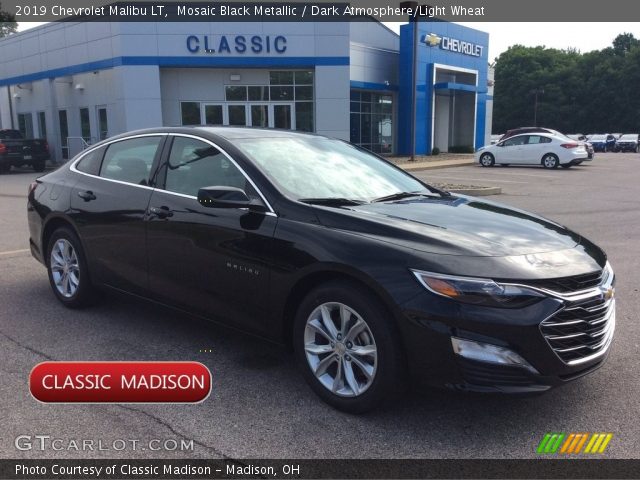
x: 432, y: 39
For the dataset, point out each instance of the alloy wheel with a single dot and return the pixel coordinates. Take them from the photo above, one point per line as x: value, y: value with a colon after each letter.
x: 340, y: 349
x: 486, y: 160
x: 550, y: 161
x: 65, y: 269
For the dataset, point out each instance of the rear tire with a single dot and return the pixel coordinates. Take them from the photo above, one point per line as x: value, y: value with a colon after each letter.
x: 550, y: 160
x: 67, y: 269
x: 348, y: 348
x: 487, y: 160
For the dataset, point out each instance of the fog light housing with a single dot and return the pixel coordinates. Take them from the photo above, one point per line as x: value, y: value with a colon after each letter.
x: 488, y: 353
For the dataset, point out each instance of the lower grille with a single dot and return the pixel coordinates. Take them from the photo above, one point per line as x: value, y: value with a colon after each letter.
x: 488, y: 374
x: 581, y: 330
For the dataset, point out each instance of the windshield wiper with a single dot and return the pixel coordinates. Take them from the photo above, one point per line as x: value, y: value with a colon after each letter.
x: 332, y: 201
x: 401, y: 195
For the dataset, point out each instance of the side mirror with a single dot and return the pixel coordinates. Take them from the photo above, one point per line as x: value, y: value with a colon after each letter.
x: 500, y: 144
x: 227, y: 197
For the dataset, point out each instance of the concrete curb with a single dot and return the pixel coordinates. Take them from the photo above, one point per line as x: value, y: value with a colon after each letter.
x: 477, y: 192
x: 434, y: 165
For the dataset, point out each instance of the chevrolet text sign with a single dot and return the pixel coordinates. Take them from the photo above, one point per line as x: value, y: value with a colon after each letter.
x: 453, y: 45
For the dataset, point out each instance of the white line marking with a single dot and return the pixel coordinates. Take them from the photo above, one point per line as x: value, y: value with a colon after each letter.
x: 11, y: 252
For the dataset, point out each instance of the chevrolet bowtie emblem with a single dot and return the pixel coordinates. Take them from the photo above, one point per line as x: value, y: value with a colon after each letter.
x: 432, y: 39
x: 608, y: 293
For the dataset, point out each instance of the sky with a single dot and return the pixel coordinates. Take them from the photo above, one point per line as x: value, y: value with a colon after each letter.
x: 582, y: 36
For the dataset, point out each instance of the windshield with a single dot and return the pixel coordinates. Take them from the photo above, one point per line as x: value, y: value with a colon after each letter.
x: 598, y: 138
x: 318, y: 167
x: 631, y: 137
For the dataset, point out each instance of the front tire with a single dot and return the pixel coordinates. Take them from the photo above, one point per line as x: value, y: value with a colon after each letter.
x: 67, y: 269
x: 347, y: 347
x: 550, y: 160
x: 487, y: 160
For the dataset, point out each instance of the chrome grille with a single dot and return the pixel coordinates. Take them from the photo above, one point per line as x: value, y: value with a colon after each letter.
x: 583, y: 328
x: 570, y: 284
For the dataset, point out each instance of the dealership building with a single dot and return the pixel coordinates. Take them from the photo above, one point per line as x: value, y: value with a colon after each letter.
x: 78, y: 83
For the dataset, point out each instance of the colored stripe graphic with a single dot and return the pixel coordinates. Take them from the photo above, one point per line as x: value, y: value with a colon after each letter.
x: 550, y: 443
x: 573, y: 443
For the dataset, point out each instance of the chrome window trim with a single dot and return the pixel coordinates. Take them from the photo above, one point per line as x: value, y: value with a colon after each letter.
x: 73, y: 168
x: 244, y: 174
x: 89, y: 150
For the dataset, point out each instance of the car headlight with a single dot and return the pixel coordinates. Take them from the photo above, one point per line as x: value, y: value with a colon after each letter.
x: 478, y: 291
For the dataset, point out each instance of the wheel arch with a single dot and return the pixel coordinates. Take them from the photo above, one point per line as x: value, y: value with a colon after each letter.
x: 311, y: 280
x: 50, y: 226
x: 553, y: 154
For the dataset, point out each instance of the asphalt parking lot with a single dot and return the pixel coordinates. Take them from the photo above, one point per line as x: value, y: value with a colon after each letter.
x: 260, y: 406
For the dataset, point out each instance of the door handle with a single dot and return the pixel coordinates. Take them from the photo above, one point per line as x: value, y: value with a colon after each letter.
x: 86, y: 195
x: 161, y: 212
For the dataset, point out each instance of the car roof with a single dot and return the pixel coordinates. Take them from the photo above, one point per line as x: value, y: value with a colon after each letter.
x: 227, y: 133
x: 251, y: 132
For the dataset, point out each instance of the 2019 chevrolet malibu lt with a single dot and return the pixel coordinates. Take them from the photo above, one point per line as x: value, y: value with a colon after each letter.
x: 628, y: 143
x: 550, y: 151
x: 373, y: 277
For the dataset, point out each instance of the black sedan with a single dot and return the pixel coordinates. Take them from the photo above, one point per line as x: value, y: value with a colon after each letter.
x: 375, y: 279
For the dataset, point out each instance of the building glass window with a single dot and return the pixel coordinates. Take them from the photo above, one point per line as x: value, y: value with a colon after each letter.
x: 25, y: 125
x: 213, y: 115
x: 42, y: 125
x: 296, y: 86
x: 103, y: 123
x: 85, y: 125
x: 64, y: 133
x: 304, y: 116
x: 281, y: 78
x: 237, y: 115
x: 258, y: 93
x: 190, y: 112
x: 235, y: 93
x: 372, y: 121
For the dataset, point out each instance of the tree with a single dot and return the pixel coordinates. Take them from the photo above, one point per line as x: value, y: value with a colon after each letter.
x: 8, y: 23
x: 594, y: 92
x: 624, y: 42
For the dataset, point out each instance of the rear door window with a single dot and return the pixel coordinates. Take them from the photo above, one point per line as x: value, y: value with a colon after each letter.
x: 130, y: 160
x: 513, y: 141
x: 90, y: 163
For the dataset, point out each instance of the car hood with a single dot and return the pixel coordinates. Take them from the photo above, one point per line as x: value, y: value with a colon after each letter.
x: 456, y: 225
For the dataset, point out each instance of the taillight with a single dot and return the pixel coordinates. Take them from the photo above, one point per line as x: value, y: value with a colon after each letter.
x: 3, y: 148
x: 46, y: 146
x: 570, y: 145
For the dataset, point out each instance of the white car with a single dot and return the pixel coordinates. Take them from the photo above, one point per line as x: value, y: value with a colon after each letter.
x: 547, y: 150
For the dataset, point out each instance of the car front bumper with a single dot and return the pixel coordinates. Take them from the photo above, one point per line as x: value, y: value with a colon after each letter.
x: 431, y: 322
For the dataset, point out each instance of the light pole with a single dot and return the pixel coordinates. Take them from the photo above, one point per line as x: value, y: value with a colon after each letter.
x: 413, y: 5
x: 535, y: 92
